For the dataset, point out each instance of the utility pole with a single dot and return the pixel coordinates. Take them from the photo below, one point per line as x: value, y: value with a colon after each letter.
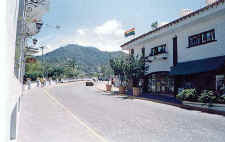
x: 42, y: 63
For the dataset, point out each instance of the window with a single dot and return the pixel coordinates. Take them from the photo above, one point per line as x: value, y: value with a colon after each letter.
x: 132, y: 52
x: 202, y: 38
x: 143, y: 52
x: 158, y: 50
x: 160, y: 83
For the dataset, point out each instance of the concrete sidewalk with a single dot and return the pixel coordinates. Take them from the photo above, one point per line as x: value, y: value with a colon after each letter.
x: 101, y: 86
x: 168, y: 100
x: 43, y: 120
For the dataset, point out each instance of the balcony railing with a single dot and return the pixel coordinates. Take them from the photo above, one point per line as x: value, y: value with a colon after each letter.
x: 30, y: 50
x: 163, y: 55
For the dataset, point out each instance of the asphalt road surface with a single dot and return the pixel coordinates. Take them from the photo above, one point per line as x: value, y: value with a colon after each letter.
x: 78, y: 113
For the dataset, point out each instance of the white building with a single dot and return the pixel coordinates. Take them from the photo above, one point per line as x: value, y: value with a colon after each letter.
x: 15, y: 30
x: 187, y: 52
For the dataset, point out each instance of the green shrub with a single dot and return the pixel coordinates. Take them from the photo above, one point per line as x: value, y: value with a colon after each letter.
x: 187, y: 94
x: 207, y: 97
x: 222, y: 90
x: 180, y: 96
x: 221, y: 99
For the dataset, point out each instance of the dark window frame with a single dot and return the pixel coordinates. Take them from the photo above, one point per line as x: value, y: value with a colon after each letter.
x: 132, y: 51
x: 202, y: 38
x: 161, y: 49
x: 143, y: 52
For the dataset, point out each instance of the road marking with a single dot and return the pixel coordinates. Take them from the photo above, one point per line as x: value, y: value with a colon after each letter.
x: 92, y: 131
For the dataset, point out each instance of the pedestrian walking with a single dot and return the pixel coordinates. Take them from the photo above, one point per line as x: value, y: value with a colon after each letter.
x: 112, y: 81
x: 141, y: 85
x: 49, y: 80
x: 56, y: 80
x: 42, y: 82
x: 38, y: 82
x: 29, y: 83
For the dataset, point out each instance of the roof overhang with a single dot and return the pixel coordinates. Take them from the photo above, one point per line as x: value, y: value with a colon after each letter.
x: 198, y: 66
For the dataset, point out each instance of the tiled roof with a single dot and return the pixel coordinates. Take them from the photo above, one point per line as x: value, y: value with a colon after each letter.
x: 175, y: 21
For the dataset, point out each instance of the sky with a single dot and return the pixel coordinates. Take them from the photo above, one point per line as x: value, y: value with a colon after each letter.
x: 102, y: 23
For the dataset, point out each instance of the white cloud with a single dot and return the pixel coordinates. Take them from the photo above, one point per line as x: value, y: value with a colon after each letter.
x: 108, y: 28
x: 107, y: 37
x: 82, y: 31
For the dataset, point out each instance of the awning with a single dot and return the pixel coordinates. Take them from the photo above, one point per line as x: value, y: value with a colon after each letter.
x: 198, y: 66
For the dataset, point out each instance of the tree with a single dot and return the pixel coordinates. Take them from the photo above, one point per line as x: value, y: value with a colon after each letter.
x: 33, y: 70
x: 119, y: 68
x: 135, y: 69
x: 58, y: 71
x: 105, y: 72
x: 71, y: 69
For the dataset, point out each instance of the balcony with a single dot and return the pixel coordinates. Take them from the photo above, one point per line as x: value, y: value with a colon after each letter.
x: 163, y: 56
x: 31, y: 51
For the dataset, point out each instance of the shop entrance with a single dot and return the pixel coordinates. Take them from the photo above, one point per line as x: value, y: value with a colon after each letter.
x: 159, y: 83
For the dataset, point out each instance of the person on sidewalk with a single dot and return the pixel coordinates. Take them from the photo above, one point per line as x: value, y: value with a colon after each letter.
x: 38, y: 82
x: 141, y: 85
x: 42, y: 82
x: 56, y: 81
x: 50, y: 81
x: 112, y: 82
x: 29, y: 83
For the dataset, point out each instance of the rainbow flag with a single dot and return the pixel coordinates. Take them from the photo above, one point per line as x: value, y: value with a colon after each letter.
x: 129, y: 32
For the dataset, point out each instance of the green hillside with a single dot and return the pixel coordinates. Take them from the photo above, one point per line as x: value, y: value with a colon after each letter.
x: 88, y: 58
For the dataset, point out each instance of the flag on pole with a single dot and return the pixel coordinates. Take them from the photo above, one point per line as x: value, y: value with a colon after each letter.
x: 130, y: 32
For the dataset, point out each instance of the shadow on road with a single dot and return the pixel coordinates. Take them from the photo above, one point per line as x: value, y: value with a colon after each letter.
x: 119, y: 97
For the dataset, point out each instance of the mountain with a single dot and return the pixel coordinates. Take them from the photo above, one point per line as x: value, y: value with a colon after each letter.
x: 88, y: 58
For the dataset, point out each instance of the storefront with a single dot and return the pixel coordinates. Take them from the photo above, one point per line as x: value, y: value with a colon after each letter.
x: 159, y: 83
x: 205, y: 74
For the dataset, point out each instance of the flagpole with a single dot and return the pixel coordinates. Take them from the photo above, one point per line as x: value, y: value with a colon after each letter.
x: 134, y: 33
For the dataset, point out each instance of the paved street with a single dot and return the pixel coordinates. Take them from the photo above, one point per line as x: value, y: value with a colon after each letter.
x: 76, y: 113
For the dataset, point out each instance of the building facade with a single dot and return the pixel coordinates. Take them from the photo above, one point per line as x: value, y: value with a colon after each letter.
x: 185, y: 53
x: 20, y: 20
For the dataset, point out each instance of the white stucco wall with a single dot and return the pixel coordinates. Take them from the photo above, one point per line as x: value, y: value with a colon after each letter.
x: 212, y: 49
x: 159, y: 65
x: 209, y: 19
x: 10, y: 86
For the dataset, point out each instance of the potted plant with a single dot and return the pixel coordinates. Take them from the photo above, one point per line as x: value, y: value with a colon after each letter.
x: 136, y: 69
x: 108, y: 87
x: 105, y: 74
x: 118, y: 66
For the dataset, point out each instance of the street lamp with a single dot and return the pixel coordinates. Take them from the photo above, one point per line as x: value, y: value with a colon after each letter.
x: 39, y: 25
x: 42, y: 53
x: 35, y: 41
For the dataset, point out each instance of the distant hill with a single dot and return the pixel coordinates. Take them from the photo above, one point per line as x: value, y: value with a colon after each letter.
x: 89, y: 58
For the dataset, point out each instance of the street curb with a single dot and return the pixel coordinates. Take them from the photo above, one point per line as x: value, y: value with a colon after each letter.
x: 205, y: 110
